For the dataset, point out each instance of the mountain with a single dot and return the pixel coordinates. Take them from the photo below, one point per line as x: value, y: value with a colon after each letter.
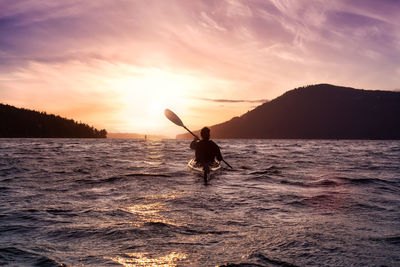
x: 320, y: 111
x: 19, y: 122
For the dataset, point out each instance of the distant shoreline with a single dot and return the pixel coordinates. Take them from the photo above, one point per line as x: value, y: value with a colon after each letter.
x: 135, y: 136
x: 169, y: 138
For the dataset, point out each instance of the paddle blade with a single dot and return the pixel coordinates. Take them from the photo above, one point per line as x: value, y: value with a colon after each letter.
x: 173, y: 117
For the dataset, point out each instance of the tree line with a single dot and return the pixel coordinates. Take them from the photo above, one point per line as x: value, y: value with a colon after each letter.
x: 21, y: 123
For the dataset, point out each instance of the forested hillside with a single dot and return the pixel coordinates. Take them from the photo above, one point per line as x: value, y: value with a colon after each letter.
x: 320, y: 111
x: 19, y: 122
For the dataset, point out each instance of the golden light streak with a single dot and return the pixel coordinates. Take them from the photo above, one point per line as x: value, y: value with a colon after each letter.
x: 151, y: 212
x: 140, y: 259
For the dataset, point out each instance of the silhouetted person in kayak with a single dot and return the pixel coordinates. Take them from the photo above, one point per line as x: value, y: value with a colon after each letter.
x: 206, y: 150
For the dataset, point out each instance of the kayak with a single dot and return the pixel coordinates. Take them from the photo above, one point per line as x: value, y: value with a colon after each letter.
x: 194, y: 165
x: 197, y: 167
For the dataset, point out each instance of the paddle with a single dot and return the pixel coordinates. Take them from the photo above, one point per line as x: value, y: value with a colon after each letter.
x: 175, y: 119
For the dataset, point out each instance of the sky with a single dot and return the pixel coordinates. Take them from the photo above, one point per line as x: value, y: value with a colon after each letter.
x: 117, y: 64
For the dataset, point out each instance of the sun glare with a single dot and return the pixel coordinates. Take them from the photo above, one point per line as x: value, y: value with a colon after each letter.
x: 145, y: 93
x: 155, y: 109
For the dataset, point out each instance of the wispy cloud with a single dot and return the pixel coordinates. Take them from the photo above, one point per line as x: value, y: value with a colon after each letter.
x: 231, y: 100
x: 247, y: 49
x: 203, y: 35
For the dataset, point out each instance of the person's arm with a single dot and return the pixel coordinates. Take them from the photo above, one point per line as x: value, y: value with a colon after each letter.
x: 194, y: 143
x: 218, y: 153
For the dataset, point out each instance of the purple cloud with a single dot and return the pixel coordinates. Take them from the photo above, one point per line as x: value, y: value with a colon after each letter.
x: 234, y: 39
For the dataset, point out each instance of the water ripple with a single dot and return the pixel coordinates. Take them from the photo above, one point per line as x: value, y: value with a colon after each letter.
x: 129, y: 202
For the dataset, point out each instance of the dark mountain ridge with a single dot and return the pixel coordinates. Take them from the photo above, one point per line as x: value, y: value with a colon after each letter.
x: 19, y: 122
x: 320, y: 111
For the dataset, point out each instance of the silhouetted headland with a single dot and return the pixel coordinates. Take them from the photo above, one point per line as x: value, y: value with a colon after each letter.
x: 19, y: 122
x: 320, y: 111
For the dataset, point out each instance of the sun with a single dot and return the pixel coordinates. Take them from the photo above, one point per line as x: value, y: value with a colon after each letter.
x: 144, y: 93
x: 155, y: 109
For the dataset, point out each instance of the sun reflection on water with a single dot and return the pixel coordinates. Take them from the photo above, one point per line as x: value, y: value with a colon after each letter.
x: 151, y: 212
x: 141, y: 259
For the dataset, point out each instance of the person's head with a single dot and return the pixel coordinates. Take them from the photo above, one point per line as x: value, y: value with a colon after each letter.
x: 205, y: 133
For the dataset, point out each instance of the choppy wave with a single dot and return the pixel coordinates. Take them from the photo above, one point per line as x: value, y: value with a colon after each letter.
x: 19, y: 257
x: 129, y: 202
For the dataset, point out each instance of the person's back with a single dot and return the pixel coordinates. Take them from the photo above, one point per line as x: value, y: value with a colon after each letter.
x: 206, y: 150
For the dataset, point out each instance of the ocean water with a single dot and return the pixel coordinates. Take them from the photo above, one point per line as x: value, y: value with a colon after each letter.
x: 91, y: 202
